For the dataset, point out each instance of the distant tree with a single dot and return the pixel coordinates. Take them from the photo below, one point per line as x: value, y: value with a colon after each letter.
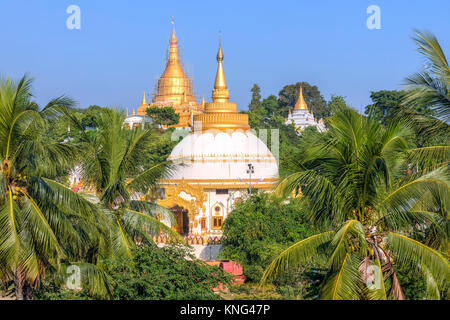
x: 163, y: 116
x: 256, y: 98
x: 288, y: 96
x: 336, y: 101
x: 386, y: 104
x: 90, y: 118
x: 270, y: 104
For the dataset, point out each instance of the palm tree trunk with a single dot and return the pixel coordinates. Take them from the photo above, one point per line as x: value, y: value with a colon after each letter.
x: 18, y: 285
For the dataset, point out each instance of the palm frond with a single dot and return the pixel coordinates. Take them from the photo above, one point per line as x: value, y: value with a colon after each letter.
x: 345, y: 283
x: 410, y: 252
x: 297, y: 254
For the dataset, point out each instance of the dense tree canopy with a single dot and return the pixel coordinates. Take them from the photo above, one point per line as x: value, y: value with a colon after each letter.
x: 163, y: 115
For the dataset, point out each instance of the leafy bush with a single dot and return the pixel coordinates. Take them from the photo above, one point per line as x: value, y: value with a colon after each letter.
x: 152, y: 273
x: 258, y: 229
x: 168, y: 273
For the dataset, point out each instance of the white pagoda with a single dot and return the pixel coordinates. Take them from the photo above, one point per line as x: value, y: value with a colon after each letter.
x: 302, y: 117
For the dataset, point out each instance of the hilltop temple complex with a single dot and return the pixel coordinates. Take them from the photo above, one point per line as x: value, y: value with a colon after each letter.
x: 301, y: 117
x: 173, y: 89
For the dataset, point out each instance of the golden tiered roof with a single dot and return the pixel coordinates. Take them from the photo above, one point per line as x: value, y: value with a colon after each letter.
x: 301, y: 104
x: 220, y: 113
x: 173, y: 86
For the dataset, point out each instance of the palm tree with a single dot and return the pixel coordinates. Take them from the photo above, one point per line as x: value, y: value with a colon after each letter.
x: 116, y: 162
x: 374, y: 191
x: 40, y: 219
x: 431, y: 86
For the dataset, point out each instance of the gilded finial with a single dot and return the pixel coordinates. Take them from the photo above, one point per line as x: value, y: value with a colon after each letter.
x: 127, y: 112
x: 203, y: 100
x: 173, y: 37
x: 220, y: 52
x: 220, y: 82
x: 144, y: 102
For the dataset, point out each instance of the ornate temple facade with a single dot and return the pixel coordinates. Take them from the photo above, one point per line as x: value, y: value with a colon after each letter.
x: 213, y: 166
x: 302, y: 117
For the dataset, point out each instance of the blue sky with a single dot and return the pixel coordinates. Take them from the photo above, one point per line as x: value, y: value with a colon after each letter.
x: 120, y: 49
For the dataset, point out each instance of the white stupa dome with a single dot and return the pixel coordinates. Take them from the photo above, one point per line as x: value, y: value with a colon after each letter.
x: 219, y: 155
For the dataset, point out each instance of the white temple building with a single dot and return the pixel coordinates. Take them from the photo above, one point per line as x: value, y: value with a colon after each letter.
x: 302, y: 117
x: 138, y: 118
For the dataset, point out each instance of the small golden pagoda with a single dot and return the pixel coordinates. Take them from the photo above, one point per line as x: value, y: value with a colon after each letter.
x: 141, y: 111
x: 174, y: 88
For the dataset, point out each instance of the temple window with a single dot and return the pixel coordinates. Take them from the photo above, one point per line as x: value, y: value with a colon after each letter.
x: 217, y: 222
x: 203, y: 224
x: 221, y: 191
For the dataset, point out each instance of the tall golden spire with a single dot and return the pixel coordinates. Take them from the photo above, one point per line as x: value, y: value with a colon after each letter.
x: 220, y: 82
x: 221, y: 114
x: 221, y: 94
x: 301, y: 104
x: 144, y: 102
x: 203, y: 101
x: 174, y: 85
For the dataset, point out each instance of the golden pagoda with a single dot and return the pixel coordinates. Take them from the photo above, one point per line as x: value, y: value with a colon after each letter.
x: 221, y: 114
x: 174, y: 88
x: 143, y: 107
x: 300, y: 104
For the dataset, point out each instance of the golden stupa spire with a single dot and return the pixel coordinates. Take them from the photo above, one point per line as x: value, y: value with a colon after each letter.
x: 143, y: 107
x: 127, y: 112
x: 220, y: 92
x: 174, y: 87
x: 220, y: 113
x: 203, y: 101
x: 301, y: 104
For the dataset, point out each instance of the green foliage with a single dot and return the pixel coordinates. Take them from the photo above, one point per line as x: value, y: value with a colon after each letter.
x: 256, y: 98
x: 373, y: 187
x: 431, y: 86
x: 163, y: 115
x: 43, y: 224
x: 388, y: 105
x: 91, y: 116
x: 259, y: 228
x: 164, y: 273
